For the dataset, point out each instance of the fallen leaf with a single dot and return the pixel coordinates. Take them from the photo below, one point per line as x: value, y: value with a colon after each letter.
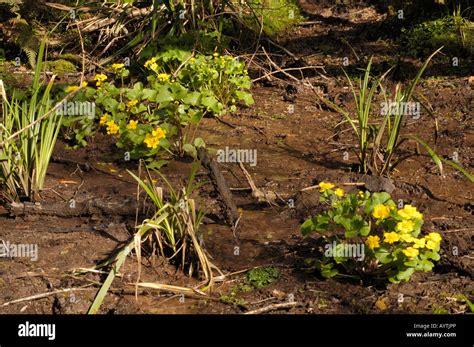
x: 67, y: 182
x: 279, y: 294
x: 381, y: 304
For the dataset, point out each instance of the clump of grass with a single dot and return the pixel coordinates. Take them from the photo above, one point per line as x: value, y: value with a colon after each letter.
x: 256, y: 278
x: 60, y: 67
x: 274, y: 16
x: 453, y: 32
x: 262, y: 276
x: 378, y: 141
x: 173, y: 231
x: 28, y: 133
x: 436, y: 309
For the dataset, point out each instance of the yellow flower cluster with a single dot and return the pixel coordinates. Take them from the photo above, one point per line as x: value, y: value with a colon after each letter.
x: 152, y: 140
x: 112, y: 128
x: 131, y: 104
x: 151, y: 64
x: 409, y: 212
x: 323, y: 186
x: 104, y: 119
x: 74, y: 88
x: 381, y: 211
x: 432, y: 241
x: 372, y: 242
x: 391, y: 237
x: 118, y: 66
x: 100, y: 78
x: 410, y: 252
x: 163, y: 77
x: 132, y: 124
x: 405, y: 226
x: 403, y: 232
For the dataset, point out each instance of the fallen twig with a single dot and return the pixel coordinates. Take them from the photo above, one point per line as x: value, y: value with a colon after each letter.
x: 44, y: 295
x: 282, y: 48
x: 287, y: 69
x: 260, y: 195
x: 273, y: 307
x: 231, y: 211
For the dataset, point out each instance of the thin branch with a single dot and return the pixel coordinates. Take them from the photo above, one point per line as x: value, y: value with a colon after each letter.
x: 44, y: 295
x: 273, y: 307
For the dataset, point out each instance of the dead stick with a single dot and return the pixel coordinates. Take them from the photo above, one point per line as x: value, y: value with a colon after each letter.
x: 279, y: 68
x: 231, y: 211
x: 282, y: 48
x: 285, y: 70
x: 302, y: 24
x: 44, y: 295
x: 272, y: 308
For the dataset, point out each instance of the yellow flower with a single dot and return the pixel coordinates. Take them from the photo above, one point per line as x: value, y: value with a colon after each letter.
x: 360, y: 194
x: 192, y: 60
x: 216, y: 54
x: 150, y: 62
x: 406, y: 238
x: 430, y: 244
x: 410, y: 252
x: 339, y: 192
x: 112, y: 128
x: 381, y: 211
x: 323, y: 186
x: 391, y: 237
x: 410, y: 212
x: 131, y: 104
x: 159, y: 133
x: 433, y: 240
x: 435, y: 237
x: 104, y: 119
x: 419, y: 243
x: 118, y: 66
x: 71, y: 89
x: 151, y: 141
x: 99, y: 78
x: 163, y: 77
x: 405, y: 226
x: 372, y: 242
x: 74, y: 88
x: 132, y: 124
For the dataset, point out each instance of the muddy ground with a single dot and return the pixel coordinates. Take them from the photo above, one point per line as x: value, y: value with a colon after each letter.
x: 298, y: 145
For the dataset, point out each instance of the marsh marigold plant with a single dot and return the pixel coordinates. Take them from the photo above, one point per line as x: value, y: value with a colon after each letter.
x: 394, y: 247
x: 155, y: 118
